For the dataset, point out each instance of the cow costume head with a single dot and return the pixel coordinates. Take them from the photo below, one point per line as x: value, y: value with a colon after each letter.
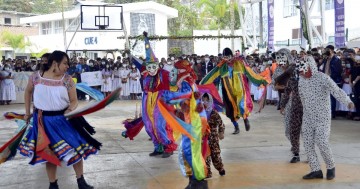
x: 306, y: 66
x: 283, y: 57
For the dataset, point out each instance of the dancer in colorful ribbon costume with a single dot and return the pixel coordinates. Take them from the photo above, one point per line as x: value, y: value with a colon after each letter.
x: 155, y: 83
x: 193, y: 150
x: 235, y: 74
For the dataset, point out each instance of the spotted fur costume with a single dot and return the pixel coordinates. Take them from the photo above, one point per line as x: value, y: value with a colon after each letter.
x: 315, y: 96
x: 216, y: 127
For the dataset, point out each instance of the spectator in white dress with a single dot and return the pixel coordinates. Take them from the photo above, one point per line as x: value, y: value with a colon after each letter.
x: 7, y: 86
x: 135, y: 86
x: 106, y: 87
x: 116, y: 78
x: 124, y: 78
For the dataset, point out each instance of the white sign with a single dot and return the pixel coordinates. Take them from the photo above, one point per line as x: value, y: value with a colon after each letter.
x: 20, y: 79
x: 92, y: 78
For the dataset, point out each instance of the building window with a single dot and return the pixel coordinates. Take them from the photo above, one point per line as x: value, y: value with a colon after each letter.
x: 45, y: 28
x: 290, y: 8
x: 75, y: 24
x: 7, y: 20
x: 59, y: 26
x: 282, y: 43
x: 295, y: 41
x: 329, y: 4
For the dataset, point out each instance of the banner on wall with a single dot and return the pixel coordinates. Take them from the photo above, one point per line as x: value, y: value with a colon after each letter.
x: 92, y: 78
x: 303, y: 26
x: 20, y: 80
x: 270, y: 24
x: 339, y: 23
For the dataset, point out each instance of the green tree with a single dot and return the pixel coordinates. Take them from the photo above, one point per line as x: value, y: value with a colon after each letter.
x: 50, y: 6
x: 39, y: 54
x: 16, y: 5
x: 123, y: 1
x: 36, y: 6
x: 215, y: 10
x: 16, y: 41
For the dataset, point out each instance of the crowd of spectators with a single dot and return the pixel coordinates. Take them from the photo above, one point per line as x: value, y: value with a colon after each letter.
x: 342, y: 65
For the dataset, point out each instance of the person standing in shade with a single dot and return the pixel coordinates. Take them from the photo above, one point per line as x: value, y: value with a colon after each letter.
x: 332, y: 67
x: 106, y: 87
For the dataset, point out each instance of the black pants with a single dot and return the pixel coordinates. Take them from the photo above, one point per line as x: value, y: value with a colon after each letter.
x: 333, y: 103
x: 80, y: 94
x: 356, y: 99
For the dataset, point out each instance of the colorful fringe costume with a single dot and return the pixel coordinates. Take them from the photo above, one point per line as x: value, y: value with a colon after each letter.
x: 155, y: 83
x: 155, y: 125
x: 193, y: 150
x: 235, y: 75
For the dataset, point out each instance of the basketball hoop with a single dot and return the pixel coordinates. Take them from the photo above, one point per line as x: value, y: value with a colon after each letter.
x: 101, y: 17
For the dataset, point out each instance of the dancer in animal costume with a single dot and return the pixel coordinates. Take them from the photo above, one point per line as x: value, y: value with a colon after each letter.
x: 155, y: 83
x: 291, y: 108
x: 192, y: 150
x: 283, y: 59
x: 235, y: 74
x: 314, y: 90
x: 217, y: 129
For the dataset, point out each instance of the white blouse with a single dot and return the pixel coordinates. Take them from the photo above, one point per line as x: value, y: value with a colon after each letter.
x: 51, y: 95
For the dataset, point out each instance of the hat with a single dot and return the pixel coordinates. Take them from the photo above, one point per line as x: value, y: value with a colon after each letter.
x: 227, y: 52
x: 330, y: 47
x: 150, y: 56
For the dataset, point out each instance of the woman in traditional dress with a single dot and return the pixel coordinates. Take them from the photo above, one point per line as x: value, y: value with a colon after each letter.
x: 106, y: 87
x: 116, y: 78
x: 7, y: 86
x: 135, y: 86
x: 124, y: 78
x: 52, y: 138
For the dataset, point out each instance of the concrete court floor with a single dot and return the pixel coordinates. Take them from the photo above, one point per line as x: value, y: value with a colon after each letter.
x: 255, y: 159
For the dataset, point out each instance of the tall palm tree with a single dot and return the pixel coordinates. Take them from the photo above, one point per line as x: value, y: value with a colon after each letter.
x: 16, y: 41
x: 215, y: 9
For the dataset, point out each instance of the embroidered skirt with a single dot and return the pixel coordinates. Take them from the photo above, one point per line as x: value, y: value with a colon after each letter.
x: 64, y: 142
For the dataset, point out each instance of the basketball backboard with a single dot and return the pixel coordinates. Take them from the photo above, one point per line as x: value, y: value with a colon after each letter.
x: 101, y: 17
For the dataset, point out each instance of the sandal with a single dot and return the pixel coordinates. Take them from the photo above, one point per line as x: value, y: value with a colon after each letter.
x: 356, y: 118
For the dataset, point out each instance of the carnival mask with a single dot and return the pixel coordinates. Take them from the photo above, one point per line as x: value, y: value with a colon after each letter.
x: 281, y: 59
x: 152, y: 68
x: 302, y: 65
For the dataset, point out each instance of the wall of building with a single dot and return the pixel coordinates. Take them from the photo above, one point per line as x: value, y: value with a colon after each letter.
x: 15, y: 18
x: 210, y: 46
x: 26, y: 31
x: 285, y: 26
x: 101, y: 40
